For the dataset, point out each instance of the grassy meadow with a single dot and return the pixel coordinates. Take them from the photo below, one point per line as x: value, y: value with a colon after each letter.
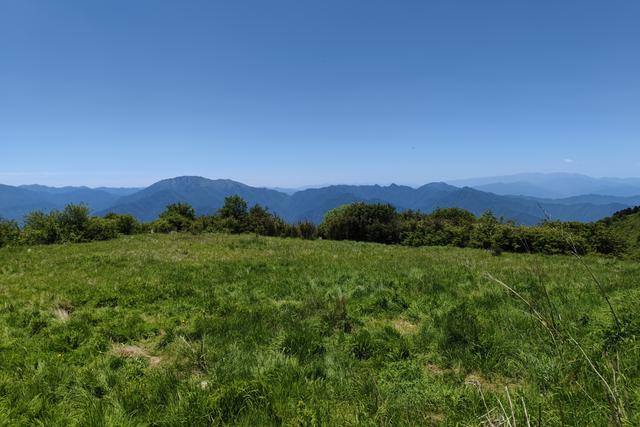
x: 212, y: 329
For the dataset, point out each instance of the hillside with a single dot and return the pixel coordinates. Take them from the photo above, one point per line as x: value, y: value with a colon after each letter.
x: 311, y: 204
x: 16, y: 202
x: 207, y: 195
x: 626, y: 224
x: 553, y: 185
x: 246, y: 330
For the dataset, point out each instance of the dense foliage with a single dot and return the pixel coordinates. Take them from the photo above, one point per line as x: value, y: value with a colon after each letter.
x: 235, y: 217
x: 216, y: 329
x: 379, y: 223
x: 9, y: 232
x: 457, y: 227
x: 363, y: 222
x: 626, y: 225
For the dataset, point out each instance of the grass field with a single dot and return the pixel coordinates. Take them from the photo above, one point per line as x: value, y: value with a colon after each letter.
x: 247, y: 330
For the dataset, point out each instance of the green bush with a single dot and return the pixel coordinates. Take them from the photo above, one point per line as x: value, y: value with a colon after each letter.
x: 163, y: 225
x: 125, y: 223
x: 307, y: 230
x: 180, y: 209
x: 176, y: 217
x: 41, y: 228
x: 234, y: 207
x: 206, y: 224
x: 362, y: 222
x: 9, y: 232
x: 73, y: 222
x: 443, y: 227
x: 259, y: 221
x: 482, y: 235
x: 101, y: 229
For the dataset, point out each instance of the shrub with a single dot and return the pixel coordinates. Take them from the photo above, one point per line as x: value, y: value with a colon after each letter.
x: 73, y: 222
x: 205, y: 223
x: 363, y: 222
x: 482, y: 233
x: 125, y: 223
x: 176, y: 217
x: 307, y: 230
x: 258, y: 221
x: 101, y: 229
x: 9, y: 232
x: 232, y: 225
x: 180, y: 209
x: 604, y: 241
x: 234, y: 207
x: 41, y: 228
x: 163, y: 225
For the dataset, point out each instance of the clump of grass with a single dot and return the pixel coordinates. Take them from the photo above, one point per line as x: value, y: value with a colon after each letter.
x: 561, y: 333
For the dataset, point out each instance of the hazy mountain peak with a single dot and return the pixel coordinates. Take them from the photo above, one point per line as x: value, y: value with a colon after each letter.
x: 553, y: 185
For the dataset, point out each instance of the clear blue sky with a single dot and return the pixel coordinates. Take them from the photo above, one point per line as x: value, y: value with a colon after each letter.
x: 287, y: 93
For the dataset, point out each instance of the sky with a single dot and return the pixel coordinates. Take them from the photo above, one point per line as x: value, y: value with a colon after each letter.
x: 298, y: 92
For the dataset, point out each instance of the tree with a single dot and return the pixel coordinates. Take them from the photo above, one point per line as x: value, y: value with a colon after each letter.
x: 41, y: 228
x: 73, y: 221
x: 363, y: 222
x: 234, y: 215
x: 482, y: 234
x: 261, y: 221
x: 307, y: 230
x: 125, y: 223
x: 9, y: 232
x: 176, y: 217
x: 182, y: 209
x: 234, y: 207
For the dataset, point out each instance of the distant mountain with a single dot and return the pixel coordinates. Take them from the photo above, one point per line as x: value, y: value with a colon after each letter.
x: 290, y: 191
x: 207, y: 195
x: 595, y: 199
x: 119, y: 191
x: 519, y: 188
x: 553, y: 185
x: 16, y: 202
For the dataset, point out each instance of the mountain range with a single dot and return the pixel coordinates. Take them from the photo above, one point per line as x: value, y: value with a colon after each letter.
x: 552, y: 185
x: 207, y: 195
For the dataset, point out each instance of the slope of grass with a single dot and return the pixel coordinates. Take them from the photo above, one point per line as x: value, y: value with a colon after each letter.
x: 246, y: 330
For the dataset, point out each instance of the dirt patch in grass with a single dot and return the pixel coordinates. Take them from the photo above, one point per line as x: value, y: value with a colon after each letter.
x: 135, y: 351
x: 495, y: 385
x: 404, y: 326
x: 435, y: 369
x: 61, y: 314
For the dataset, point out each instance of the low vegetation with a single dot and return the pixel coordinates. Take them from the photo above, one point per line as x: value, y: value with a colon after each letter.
x: 626, y: 225
x: 379, y: 223
x: 212, y: 329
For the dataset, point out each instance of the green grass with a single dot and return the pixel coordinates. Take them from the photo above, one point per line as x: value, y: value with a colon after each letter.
x: 246, y: 330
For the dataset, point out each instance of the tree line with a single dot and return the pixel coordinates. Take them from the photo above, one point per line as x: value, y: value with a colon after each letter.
x: 380, y: 223
x: 457, y: 227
